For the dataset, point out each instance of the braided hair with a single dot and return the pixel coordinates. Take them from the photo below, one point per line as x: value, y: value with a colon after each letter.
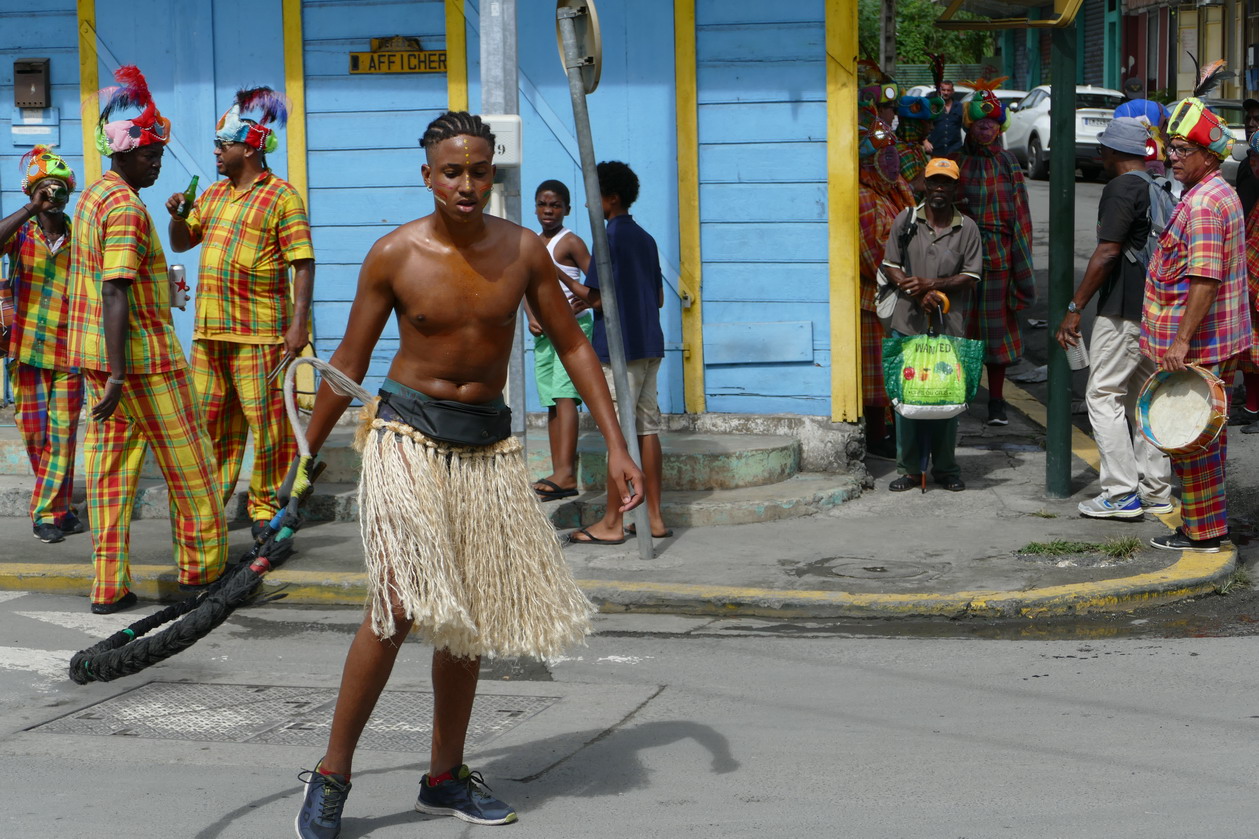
x: 456, y: 124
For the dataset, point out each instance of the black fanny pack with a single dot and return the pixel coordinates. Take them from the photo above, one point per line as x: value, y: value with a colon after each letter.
x: 446, y: 420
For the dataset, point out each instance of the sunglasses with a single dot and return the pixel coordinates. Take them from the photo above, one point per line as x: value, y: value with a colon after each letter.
x: 1182, y: 151
x: 224, y: 144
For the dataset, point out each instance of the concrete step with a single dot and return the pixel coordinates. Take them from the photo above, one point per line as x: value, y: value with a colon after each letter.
x: 802, y: 494
x: 692, y: 461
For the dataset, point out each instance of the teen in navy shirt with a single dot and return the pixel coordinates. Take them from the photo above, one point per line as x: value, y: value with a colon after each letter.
x: 639, y: 297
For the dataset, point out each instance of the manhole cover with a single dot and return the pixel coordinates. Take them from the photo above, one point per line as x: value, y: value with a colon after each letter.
x: 869, y: 570
x: 286, y: 716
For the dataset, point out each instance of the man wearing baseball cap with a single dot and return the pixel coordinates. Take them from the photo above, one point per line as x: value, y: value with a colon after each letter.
x: 1134, y: 475
x: 933, y: 253
x: 1247, y: 179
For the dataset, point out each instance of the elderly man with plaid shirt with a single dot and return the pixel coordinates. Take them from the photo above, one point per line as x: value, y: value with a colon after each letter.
x: 123, y: 337
x: 1196, y: 309
x: 47, y: 389
x: 252, y: 227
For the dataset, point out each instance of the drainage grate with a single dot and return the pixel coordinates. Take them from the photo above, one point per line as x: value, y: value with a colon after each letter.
x: 285, y: 716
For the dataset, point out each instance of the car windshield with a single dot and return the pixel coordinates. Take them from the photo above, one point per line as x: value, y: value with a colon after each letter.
x: 1108, y: 101
x: 1234, y: 116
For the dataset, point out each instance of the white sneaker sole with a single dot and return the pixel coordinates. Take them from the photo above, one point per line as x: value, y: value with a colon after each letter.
x: 1155, y: 544
x: 427, y: 809
x: 1111, y: 514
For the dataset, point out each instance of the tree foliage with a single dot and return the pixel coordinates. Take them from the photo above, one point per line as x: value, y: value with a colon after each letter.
x: 916, y: 34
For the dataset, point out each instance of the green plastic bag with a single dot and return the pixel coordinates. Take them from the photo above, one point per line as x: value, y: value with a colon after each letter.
x: 931, y: 376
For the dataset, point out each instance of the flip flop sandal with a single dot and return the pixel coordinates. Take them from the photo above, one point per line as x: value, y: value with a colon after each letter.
x: 554, y: 493
x: 632, y: 530
x: 592, y: 540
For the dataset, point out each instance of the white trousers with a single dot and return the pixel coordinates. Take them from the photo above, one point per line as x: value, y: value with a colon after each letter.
x: 1119, y: 370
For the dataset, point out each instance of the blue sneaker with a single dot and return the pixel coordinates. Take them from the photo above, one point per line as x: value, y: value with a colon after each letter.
x: 320, y: 816
x: 465, y: 797
x: 1158, y: 506
x: 1123, y: 507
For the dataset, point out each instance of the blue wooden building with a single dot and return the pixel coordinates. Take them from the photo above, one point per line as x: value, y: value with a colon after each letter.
x: 723, y: 107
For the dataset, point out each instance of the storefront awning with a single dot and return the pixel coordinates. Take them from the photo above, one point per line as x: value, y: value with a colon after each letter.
x: 1008, y: 14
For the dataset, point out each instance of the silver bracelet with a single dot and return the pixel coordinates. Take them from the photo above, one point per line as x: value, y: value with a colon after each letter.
x: 116, y: 381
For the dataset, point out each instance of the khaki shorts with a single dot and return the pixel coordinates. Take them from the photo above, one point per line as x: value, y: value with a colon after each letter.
x: 642, y: 384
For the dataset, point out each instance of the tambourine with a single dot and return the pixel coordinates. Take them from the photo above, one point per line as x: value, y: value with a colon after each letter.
x: 1184, y: 411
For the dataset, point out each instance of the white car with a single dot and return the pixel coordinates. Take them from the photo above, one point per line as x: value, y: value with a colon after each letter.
x: 1028, y: 134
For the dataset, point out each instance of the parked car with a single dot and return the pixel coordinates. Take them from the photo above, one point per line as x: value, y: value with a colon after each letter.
x: 1006, y: 96
x: 959, y: 91
x: 1028, y: 134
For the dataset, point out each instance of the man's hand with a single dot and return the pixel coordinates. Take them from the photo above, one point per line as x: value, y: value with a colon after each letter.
x: 1174, y: 358
x: 296, y: 337
x: 535, y: 328
x: 927, y: 147
x: 628, y: 479
x: 173, y: 204
x: 44, y: 199
x: 579, y: 305
x: 297, y: 481
x: 104, y: 409
x: 932, y: 301
x: 915, y: 286
x: 1069, y: 330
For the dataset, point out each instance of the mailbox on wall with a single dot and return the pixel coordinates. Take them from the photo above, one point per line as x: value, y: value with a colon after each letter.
x: 30, y: 83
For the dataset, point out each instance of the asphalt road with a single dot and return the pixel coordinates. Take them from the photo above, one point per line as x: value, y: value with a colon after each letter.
x: 661, y: 727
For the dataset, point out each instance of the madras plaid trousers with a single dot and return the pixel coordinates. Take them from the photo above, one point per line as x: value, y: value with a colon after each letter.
x: 48, y: 404
x: 157, y: 410
x: 235, y: 399
x: 1203, y: 506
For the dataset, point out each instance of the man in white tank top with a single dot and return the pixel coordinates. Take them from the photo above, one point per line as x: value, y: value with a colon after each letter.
x: 555, y: 389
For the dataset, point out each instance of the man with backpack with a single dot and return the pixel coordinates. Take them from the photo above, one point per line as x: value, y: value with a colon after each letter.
x: 1133, y: 211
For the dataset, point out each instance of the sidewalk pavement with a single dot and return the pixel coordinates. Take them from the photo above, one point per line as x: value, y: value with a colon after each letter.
x: 883, y: 554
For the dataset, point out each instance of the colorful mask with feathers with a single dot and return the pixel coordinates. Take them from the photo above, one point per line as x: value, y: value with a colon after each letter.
x: 126, y: 134
x: 878, y: 151
x: 233, y: 128
x: 41, y: 162
x: 984, y: 104
x: 878, y: 89
x: 925, y: 107
x: 1193, y: 121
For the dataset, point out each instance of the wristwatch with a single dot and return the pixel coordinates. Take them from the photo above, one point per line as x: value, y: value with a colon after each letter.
x: 1072, y: 308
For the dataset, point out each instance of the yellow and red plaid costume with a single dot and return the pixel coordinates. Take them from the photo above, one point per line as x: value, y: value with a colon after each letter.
x: 47, y: 389
x: 249, y: 238
x: 878, y: 203
x: 1204, y: 238
x: 113, y: 239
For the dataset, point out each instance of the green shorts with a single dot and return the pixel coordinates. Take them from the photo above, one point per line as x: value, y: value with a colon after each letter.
x: 553, y: 380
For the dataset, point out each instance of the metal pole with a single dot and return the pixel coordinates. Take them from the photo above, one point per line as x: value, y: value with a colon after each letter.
x: 500, y: 95
x: 1061, y: 258
x: 603, y: 260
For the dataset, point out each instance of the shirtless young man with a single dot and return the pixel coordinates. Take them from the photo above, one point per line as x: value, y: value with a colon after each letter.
x: 455, y: 280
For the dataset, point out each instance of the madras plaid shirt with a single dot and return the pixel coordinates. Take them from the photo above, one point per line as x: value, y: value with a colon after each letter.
x: 37, y: 291
x: 1204, y: 238
x: 113, y: 238
x: 249, y: 238
x: 878, y: 205
x: 994, y: 195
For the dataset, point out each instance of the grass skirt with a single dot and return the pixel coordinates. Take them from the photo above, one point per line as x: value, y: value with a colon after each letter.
x: 457, y: 537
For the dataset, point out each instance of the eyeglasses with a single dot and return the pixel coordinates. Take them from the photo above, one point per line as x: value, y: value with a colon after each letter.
x: 1182, y: 151
x: 224, y: 144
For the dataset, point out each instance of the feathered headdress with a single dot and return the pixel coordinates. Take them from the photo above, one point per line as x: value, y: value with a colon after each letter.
x: 1193, y: 121
x: 878, y: 87
x: 42, y: 162
x: 984, y: 103
x: 233, y: 128
x: 937, y: 69
x: 127, y: 134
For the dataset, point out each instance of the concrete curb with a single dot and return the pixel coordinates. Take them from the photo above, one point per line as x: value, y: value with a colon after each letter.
x: 1194, y: 574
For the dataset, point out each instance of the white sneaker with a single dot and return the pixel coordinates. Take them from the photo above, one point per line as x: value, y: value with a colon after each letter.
x: 1123, y: 507
x: 1158, y: 506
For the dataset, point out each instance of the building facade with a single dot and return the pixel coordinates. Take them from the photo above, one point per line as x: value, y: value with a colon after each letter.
x: 738, y: 118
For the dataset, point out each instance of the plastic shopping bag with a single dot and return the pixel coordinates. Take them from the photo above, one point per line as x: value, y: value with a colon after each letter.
x: 931, y: 376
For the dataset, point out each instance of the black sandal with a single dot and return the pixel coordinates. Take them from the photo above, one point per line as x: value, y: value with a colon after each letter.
x: 952, y: 483
x: 905, y: 483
